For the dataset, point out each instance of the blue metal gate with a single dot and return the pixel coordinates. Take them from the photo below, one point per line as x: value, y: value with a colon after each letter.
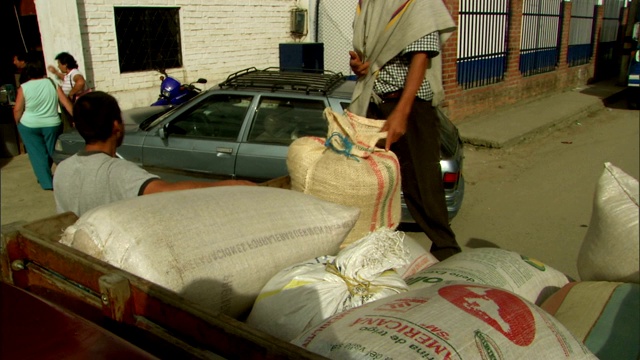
x: 540, y: 41
x: 483, y: 27
x: 582, y: 32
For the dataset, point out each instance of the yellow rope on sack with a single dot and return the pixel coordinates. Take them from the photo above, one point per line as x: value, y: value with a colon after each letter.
x: 355, y: 287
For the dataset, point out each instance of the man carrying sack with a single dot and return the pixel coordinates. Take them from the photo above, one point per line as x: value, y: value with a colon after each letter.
x: 396, y: 47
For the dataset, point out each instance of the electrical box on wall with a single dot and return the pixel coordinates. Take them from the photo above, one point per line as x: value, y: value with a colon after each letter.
x: 298, y: 22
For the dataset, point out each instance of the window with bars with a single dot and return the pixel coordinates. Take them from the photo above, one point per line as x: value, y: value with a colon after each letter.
x: 582, y: 32
x: 148, y: 38
x: 540, y: 40
x: 482, y: 42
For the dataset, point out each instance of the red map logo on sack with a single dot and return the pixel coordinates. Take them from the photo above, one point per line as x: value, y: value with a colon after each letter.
x: 402, y: 305
x: 504, y: 311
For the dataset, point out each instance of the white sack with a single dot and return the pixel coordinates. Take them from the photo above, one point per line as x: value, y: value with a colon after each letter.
x: 303, y: 295
x: 450, y: 321
x: 610, y: 250
x: 505, y: 269
x: 216, y: 246
x: 420, y: 257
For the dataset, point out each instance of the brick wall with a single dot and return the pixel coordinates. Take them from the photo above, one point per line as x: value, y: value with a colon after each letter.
x: 218, y: 37
x: 463, y: 105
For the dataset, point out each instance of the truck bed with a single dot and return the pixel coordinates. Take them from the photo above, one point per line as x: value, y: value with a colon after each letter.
x: 153, y: 320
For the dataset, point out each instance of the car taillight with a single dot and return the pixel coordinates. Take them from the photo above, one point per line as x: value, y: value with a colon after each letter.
x: 450, y: 180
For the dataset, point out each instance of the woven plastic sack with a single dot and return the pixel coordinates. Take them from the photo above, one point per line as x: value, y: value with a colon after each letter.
x: 217, y: 247
x: 450, y: 320
x: 610, y: 250
x: 347, y: 168
x: 505, y: 269
x: 603, y: 315
x: 303, y: 295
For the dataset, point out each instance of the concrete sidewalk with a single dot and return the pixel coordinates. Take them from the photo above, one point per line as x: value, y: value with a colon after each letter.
x: 516, y: 123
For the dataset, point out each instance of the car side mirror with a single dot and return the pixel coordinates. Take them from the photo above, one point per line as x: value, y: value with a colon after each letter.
x: 163, y: 132
x: 201, y: 81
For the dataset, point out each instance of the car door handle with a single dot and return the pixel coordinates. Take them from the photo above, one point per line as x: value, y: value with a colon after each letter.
x: 224, y: 150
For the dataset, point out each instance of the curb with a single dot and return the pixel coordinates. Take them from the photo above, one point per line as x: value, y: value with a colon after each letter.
x: 515, y: 124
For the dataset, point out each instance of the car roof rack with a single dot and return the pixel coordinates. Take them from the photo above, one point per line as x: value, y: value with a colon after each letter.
x: 274, y: 78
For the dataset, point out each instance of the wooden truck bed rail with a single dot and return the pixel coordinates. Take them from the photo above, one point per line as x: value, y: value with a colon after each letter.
x: 155, y: 319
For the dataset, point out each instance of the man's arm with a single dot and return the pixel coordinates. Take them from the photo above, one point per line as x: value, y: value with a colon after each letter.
x: 158, y: 185
x: 396, y: 124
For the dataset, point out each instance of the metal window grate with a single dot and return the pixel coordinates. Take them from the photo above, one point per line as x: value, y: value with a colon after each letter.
x: 582, y: 32
x: 540, y: 41
x: 148, y: 38
x: 482, y: 42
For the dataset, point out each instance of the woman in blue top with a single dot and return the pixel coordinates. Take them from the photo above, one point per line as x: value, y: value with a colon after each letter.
x: 36, y: 114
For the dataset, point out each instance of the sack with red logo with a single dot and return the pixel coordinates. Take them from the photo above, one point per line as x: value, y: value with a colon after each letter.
x: 451, y: 320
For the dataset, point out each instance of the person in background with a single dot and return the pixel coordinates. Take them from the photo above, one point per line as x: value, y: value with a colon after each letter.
x: 72, y: 82
x: 395, y: 42
x: 95, y: 176
x: 19, y: 61
x: 71, y: 79
x: 36, y: 115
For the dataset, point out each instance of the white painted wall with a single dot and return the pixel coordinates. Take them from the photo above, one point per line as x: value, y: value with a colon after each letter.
x: 60, y: 30
x: 218, y: 38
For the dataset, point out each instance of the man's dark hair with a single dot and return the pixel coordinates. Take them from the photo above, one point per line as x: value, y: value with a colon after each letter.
x: 33, y: 70
x: 93, y: 115
x: 68, y: 60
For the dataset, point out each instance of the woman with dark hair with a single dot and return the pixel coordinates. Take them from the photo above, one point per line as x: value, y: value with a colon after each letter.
x: 36, y: 114
x: 72, y: 80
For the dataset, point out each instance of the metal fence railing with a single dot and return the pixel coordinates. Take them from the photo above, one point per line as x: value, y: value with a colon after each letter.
x: 582, y: 32
x: 540, y: 41
x: 483, y: 29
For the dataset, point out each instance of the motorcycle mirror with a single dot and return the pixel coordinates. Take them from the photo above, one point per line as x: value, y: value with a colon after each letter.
x: 201, y: 81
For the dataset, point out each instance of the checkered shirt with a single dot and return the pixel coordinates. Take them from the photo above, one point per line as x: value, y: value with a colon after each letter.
x: 393, y: 74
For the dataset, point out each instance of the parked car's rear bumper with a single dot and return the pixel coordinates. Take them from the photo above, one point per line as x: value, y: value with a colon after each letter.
x: 453, y: 199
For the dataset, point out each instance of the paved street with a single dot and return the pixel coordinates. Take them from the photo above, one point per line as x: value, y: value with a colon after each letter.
x: 534, y: 198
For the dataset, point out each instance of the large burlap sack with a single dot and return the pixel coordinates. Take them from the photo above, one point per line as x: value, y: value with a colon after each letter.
x: 504, y: 269
x: 305, y: 294
x: 215, y: 246
x: 446, y: 321
x: 604, y: 315
x: 610, y: 250
x: 347, y: 168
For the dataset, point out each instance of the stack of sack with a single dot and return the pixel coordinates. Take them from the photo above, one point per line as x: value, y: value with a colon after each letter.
x: 289, y: 273
x: 476, y: 304
x: 493, y: 303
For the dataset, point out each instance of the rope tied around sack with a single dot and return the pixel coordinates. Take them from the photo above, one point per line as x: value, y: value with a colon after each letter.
x: 346, y: 142
x: 355, y: 287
